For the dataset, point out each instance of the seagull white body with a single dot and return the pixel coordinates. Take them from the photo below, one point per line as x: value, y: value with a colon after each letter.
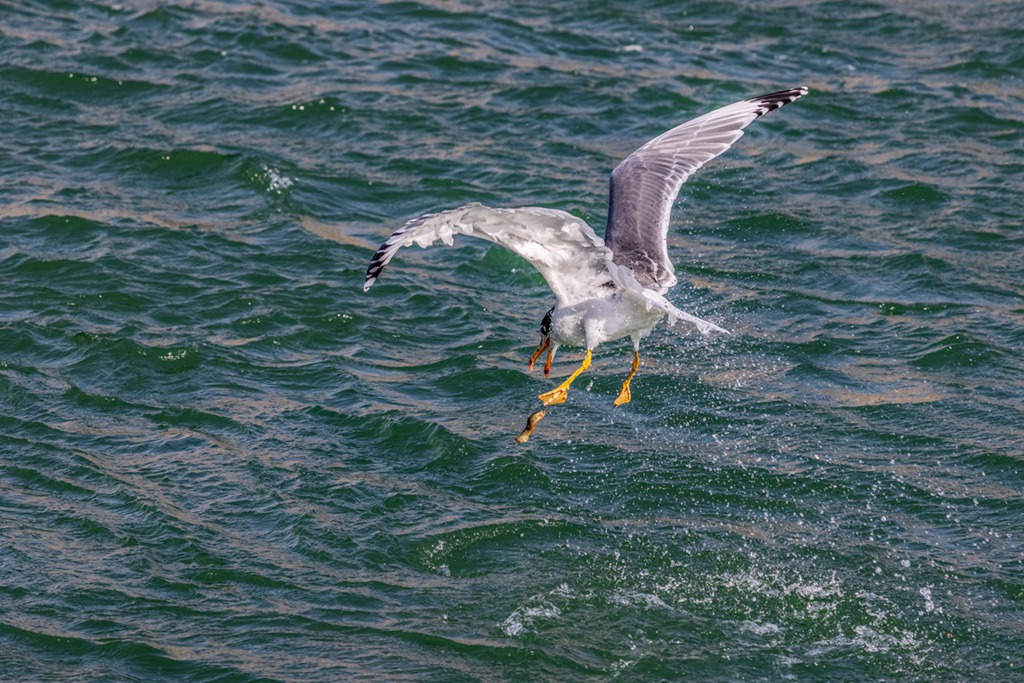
x: 611, y: 288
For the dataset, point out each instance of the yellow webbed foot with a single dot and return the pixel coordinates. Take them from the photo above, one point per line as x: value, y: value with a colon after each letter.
x: 554, y: 397
x: 561, y: 392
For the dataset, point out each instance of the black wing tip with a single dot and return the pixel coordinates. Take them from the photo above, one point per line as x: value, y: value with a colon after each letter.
x: 375, y: 268
x: 382, y: 256
x: 774, y: 100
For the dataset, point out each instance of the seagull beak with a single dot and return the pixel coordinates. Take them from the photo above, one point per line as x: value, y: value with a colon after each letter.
x: 545, y: 342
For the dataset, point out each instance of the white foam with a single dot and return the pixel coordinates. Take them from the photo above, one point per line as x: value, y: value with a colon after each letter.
x: 926, y: 593
x: 522, y: 618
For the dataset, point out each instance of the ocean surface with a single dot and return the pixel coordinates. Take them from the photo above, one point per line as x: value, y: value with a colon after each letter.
x: 221, y: 460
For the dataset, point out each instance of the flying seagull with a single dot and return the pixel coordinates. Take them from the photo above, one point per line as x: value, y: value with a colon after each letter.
x: 604, y: 289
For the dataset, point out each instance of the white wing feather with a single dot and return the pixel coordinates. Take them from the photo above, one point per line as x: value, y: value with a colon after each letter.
x: 645, y: 185
x: 564, y: 249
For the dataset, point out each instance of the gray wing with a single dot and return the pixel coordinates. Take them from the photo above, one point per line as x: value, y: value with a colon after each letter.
x: 563, y: 248
x: 645, y: 185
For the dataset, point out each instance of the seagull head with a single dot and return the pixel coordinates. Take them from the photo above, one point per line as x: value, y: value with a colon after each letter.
x: 545, y: 325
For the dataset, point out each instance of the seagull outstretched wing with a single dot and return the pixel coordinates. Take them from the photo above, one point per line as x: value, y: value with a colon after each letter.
x: 645, y: 185
x: 563, y: 248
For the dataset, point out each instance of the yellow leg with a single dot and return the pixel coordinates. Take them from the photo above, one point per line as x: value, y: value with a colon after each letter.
x: 531, y: 422
x: 547, y: 363
x: 625, y: 394
x: 559, y: 393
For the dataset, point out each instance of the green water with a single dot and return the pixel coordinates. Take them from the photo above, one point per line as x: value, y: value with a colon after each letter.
x: 220, y: 460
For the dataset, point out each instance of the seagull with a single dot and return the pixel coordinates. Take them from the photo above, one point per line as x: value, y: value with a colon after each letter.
x: 604, y: 289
